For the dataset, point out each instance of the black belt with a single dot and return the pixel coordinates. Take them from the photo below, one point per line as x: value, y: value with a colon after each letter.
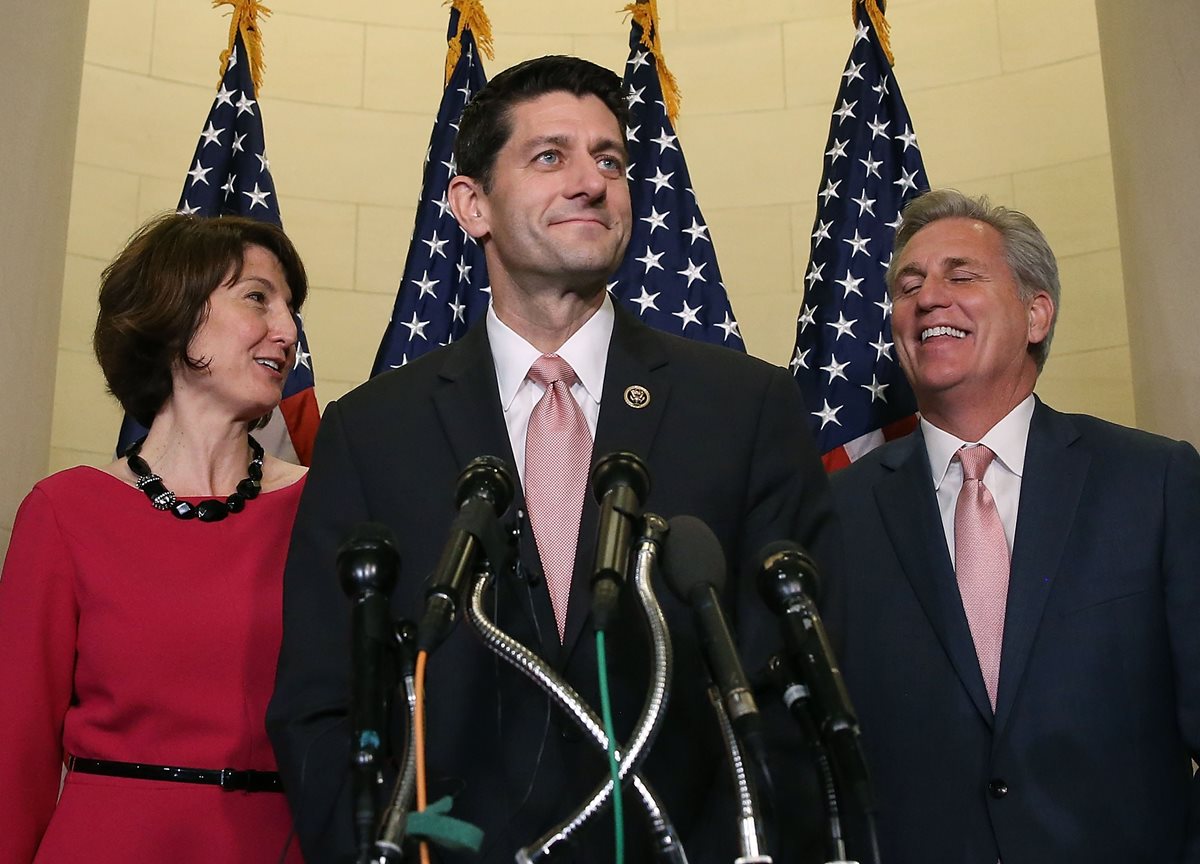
x: 227, y: 778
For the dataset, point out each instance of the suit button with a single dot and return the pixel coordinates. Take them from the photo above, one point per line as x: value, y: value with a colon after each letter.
x: 997, y: 788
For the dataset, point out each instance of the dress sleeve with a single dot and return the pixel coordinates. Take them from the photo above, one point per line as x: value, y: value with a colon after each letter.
x: 38, y: 618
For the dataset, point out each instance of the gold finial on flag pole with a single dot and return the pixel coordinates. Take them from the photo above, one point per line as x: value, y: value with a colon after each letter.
x: 875, y: 11
x: 470, y: 14
x: 245, y: 19
x: 645, y: 13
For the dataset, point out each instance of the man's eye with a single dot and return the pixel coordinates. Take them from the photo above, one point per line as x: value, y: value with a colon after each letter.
x: 909, y: 286
x: 547, y: 158
x: 256, y: 297
x: 609, y: 163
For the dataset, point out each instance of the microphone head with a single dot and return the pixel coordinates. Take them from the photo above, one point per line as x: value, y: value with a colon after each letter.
x: 692, y: 556
x: 367, y: 560
x: 621, y: 469
x: 786, y: 572
x: 486, y: 477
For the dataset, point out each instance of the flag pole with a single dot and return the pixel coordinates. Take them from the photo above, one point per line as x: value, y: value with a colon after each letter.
x: 876, y: 10
x: 244, y: 19
x: 473, y: 17
x: 645, y: 14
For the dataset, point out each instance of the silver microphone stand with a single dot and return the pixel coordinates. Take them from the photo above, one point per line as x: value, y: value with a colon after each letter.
x: 749, y: 825
x: 667, y: 845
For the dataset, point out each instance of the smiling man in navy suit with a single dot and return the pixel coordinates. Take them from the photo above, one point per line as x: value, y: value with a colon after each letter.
x: 1021, y: 611
x: 542, y: 187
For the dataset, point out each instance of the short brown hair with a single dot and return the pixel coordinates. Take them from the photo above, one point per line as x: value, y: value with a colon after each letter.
x: 154, y: 297
x: 486, y: 123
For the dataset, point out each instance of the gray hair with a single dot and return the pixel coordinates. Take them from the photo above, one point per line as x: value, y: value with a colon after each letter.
x: 1026, y: 251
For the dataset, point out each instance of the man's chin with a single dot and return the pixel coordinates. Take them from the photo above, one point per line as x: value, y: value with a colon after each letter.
x: 591, y: 269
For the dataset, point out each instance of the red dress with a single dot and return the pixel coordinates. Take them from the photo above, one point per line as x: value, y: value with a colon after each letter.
x: 129, y: 635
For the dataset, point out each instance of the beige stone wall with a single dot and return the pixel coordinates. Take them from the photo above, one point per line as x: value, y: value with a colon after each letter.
x: 39, y: 107
x: 1006, y: 97
x: 1152, y: 80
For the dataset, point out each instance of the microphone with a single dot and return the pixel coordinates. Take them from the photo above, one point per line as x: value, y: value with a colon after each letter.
x: 788, y: 582
x: 484, y: 491
x: 367, y: 565
x: 694, y: 568
x: 620, y: 483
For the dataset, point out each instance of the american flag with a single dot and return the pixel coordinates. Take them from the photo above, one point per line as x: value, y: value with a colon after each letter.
x: 844, y: 359
x: 670, y: 275
x: 230, y: 175
x: 445, y: 286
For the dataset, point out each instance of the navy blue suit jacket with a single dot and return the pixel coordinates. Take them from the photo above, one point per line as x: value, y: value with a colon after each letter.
x: 724, y: 438
x: 1087, y: 757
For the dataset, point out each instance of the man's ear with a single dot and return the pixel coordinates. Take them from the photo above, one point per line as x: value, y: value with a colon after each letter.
x: 1041, y: 317
x: 469, y: 204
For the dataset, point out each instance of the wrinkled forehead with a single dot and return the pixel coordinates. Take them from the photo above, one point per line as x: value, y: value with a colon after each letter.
x: 953, y: 238
x: 559, y: 112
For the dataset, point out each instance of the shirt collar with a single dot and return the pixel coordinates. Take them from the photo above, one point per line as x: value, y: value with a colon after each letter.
x: 586, y: 351
x: 1007, y: 439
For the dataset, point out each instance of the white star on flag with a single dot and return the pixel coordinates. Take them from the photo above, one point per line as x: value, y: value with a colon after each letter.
x: 258, y: 198
x: 688, y: 315
x: 416, y: 327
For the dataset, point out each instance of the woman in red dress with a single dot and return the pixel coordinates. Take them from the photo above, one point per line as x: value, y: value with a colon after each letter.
x: 140, y: 603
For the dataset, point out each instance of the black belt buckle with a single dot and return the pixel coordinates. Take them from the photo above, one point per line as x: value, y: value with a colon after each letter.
x: 231, y: 780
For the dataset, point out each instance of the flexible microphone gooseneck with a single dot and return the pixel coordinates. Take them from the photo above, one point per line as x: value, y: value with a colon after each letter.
x: 665, y: 839
x: 389, y: 847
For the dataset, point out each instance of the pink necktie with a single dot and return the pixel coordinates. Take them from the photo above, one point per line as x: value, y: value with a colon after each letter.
x: 558, y: 450
x: 981, y: 563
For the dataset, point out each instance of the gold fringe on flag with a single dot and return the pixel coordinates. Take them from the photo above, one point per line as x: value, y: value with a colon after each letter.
x: 645, y: 13
x: 245, y: 18
x: 875, y: 10
x: 470, y: 14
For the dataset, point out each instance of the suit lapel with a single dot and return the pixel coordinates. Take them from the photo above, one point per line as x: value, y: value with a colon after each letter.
x: 1051, y: 486
x: 909, y: 509
x: 635, y: 358
x: 467, y: 402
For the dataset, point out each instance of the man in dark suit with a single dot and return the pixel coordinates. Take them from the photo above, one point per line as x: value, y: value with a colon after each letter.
x: 1022, y: 587
x: 542, y: 187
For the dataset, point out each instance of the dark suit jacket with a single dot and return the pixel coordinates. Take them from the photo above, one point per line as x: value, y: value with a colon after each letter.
x: 1098, y: 708
x: 724, y: 438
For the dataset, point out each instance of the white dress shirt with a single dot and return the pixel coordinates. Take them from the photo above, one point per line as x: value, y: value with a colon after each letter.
x: 586, y: 351
x: 1007, y: 439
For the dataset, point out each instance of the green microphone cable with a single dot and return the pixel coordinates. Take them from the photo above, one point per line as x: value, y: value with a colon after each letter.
x: 606, y: 713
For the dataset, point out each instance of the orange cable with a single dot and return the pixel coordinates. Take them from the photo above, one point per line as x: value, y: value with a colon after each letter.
x: 419, y: 742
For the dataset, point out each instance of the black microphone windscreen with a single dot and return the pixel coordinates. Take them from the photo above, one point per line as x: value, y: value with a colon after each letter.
x: 787, y: 558
x: 488, y: 477
x: 367, y: 558
x: 692, y: 556
x: 621, y: 468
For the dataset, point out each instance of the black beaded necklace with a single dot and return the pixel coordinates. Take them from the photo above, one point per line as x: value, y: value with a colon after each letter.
x: 210, y: 510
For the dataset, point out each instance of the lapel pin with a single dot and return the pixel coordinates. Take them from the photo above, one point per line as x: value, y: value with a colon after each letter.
x: 637, y: 396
